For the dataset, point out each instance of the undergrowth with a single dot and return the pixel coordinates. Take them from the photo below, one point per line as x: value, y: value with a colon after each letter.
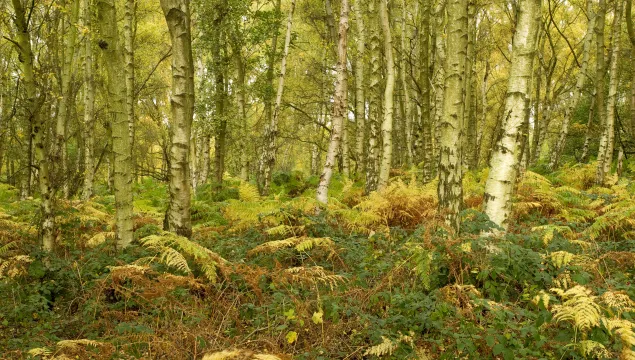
x: 364, y: 277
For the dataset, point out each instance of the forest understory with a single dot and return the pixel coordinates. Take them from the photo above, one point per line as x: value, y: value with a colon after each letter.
x: 284, y: 276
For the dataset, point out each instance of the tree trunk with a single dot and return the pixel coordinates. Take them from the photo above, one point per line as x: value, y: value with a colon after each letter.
x: 89, y: 106
x: 605, y: 158
x: 38, y: 129
x: 374, y: 107
x: 59, y: 145
x: 204, y: 166
x: 631, y: 36
x: 340, y: 106
x: 242, y: 105
x: 360, y: 100
x: 406, y: 88
x: 271, y: 134
x: 588, y: 133
x: 439, y: 76
x: 450, y: 188
x: 577, y: 93
x: 177, y: 16
x: 600, y: 104
x: 427, y: 150
x: 129, y: 38
x: 387, y: 123
x: 506, y: 156
x: 121, y: 142
x: 471, y: 156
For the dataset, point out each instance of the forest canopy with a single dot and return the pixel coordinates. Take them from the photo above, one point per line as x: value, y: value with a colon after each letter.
x: 317, y: 179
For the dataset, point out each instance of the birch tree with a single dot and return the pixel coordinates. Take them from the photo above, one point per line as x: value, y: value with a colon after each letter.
x: 425, y: 121
x: 33, y: 102
x: 121, y: 142
x: 450, y: 187
x: 360, y: 100
x: 605, y: 155
x: 505, y: 160
x: 177, y: 16
x: 387, y: 123
x: 340, y: 106
x: 89, y: 105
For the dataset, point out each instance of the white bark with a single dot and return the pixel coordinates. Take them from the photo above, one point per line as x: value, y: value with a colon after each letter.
x: 608, y: 137
x: 340, y: 107
x: 121, y: 142
x: 450, y: 187
x: 387, y: 123
x: 177, y: 16
x: 89, y: 106
x: 505, y: 159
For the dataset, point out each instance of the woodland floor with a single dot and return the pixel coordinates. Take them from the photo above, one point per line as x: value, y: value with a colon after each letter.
x: 367, y: 277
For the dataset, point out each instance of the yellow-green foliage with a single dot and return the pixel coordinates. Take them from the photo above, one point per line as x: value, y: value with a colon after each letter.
x: 172, y: 250
x: 312, y: 275
x: 64, y: 346
x: 537, y: 193
x: 618, y: 217
x: 301, y: 244
x: 561, y: 258
x: 584, y: 311
x: 244, y: 215
x: 579, y: 176
x: 406, y: 205
x: 579, y: 307
x: 248, y: 192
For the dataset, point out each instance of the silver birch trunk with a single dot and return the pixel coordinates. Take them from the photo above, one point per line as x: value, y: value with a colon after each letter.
x: 608, y: 136
x: 600, y: 104
x: 471, y: 156
x: 427, y: 143
x: 128, y: 34
x: 89, y: 106
x: 387, y: 123
x: 59, y: 145
x: 121, y: 142
x: 38, y: 129
x: 450, y: 187
x: 177, y: 16
x: 505, y: 160
x: 374, y: 107
x: 406, y: 87
x: 439, y: 75
x: 340, y: 107
x: 360, y: 101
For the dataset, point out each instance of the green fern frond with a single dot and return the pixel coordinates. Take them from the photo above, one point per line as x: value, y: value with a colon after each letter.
x: 313, y: 275
x: 618, y: 301
x: 301, y: 244
x: 6, y: 247
x: 561, y: 258
x: 173, y: 249
x: 623, y: 329
x: 579, y: 307
x: 594, y: 349
x: 248, y: 192
x: 74, y: 344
